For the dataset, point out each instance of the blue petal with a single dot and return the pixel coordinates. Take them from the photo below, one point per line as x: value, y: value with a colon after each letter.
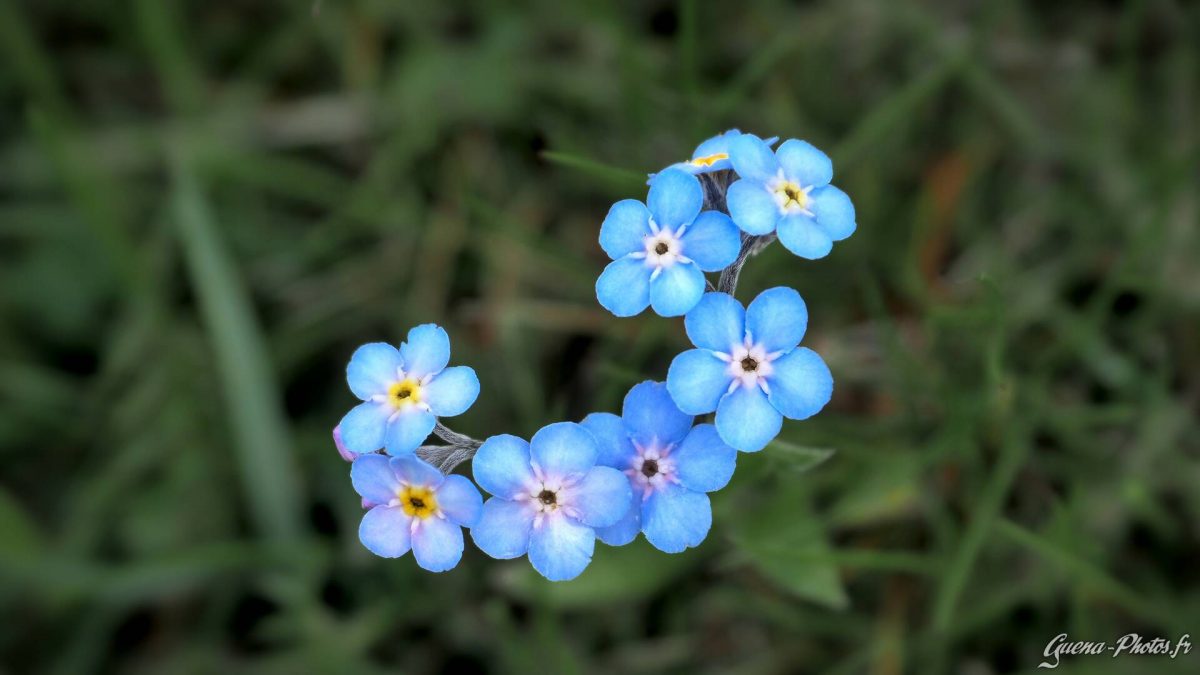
x: 612, y: 438
x: 373, y: 479
x: 674, y: 518
x: 717, y: 322
x: 716, y: 144
x: 602, y: 497
x: 437, y: 544
x: 623, y: 229
x: 650, y: 413
x: 752, y: 207
x: 834, y: 211
x: 561, y: 547
x: 696, y: 381
x: 777, y: 319
x: 675, y: 198
x: 752, y: 158
x: 626, y: 529
x: 676, y: 289
x: 459, y: 499
x: 412, y: 470
x: 502, y: 466
x: 384, y: 530
x: 427, y: 350
x: 703, y: 462
x: 409, y: 430
x: 373, y: 367
x: 712, y: 241
x: 345, y: 453
x: 746, y: 420
x: 804, y: 163
x: 801, y: 384
x: 624, y: 286
x: 503, y: 528
x: 451, y: 391
x: 563, y: 449
x: 364, y: 428
x: 801, y: 235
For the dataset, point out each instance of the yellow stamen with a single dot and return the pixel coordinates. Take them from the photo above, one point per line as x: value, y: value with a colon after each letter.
x: 710, y: 159
x: 405, y: 392
x: 417, y: 502
x: 791, y: 195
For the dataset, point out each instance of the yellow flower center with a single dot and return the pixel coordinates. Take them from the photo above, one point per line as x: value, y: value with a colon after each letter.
x: 710, y: 159
x: 791, y: 196
x: 417, y: 502
x: 405, y: 392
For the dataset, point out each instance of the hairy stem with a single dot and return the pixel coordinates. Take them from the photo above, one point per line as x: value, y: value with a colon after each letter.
x: 751, y: 246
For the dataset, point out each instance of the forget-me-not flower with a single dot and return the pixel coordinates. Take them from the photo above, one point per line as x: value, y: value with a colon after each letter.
x: 748, y: 368
x: 788, y: 191
x: 404, y: 391
x: 414, y: 507
x: 662, y: 248
x: 670, y: 464
x: 549, y: 497
x: 712, y: 155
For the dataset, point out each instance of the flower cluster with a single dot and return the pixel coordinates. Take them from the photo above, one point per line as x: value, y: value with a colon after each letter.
x: 650, y: 469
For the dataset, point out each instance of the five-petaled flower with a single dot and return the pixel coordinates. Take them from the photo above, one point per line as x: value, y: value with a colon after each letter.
x: 712, y: 155
x: 414, y: 507
x: 788, y: 191
x: 662, y: 248
x: 670, y: 464
x: 404, y: 392
x: 549, y: 497
x: 748, y: 368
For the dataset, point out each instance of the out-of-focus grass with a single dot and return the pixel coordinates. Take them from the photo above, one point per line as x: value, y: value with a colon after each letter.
x: 207, y: 206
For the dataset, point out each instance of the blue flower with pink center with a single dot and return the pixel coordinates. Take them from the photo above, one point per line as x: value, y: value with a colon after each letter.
x: 748, y: 368
x: 549, y: 498
x: 670, y: 465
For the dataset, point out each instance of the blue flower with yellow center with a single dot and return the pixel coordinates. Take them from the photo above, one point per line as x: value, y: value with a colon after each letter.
x: 788, y: 192
x: 712, y: 155
x: 661, y: 249
x: 404, y: 391
x: 670, y: 465
x: 413, y: 506
x: 549, y: 496
x: 748, y: 368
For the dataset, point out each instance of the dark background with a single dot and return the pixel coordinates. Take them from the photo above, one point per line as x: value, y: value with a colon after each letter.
x: 206, y: 206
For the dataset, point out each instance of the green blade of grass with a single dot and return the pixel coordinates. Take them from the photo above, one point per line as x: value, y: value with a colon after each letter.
x: 252, y: 396
x: 616, y: 175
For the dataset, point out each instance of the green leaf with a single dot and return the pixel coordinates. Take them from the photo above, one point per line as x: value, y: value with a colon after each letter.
x: 785, y: 541
x: 616, y: 575
x: 252, y: 397
x: 797, y: 458
x: 19, y: 534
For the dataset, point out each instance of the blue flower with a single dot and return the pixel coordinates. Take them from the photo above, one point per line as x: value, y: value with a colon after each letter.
x: 549, y: 497
x: 404, y: 392
x: 713, y: 154
x: 670, y: 464
x: 748, y: 367
x: 662, y: 248
x: 788, y: 191
x: 414, y: 507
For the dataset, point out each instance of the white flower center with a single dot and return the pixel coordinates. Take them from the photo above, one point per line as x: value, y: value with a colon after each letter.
x: 651, y: 467
x: 749, y: 365
x: 549, y: 498
x: 663, y: 247
x: 790, y: 196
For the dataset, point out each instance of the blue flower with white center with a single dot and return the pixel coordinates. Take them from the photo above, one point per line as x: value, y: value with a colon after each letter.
x: 713, y: 154
x: 414, y: 506
x: 670, y: 465
x: 787, y: 191
x: 661, y: 249
x: 748, y: 367
x: 404, y: 391
x: 549, y: 498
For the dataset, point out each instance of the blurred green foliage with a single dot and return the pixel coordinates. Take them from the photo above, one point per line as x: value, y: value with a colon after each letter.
x: 204, y: 208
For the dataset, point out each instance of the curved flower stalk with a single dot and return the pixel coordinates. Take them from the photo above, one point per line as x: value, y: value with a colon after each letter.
x: 650, y: 469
